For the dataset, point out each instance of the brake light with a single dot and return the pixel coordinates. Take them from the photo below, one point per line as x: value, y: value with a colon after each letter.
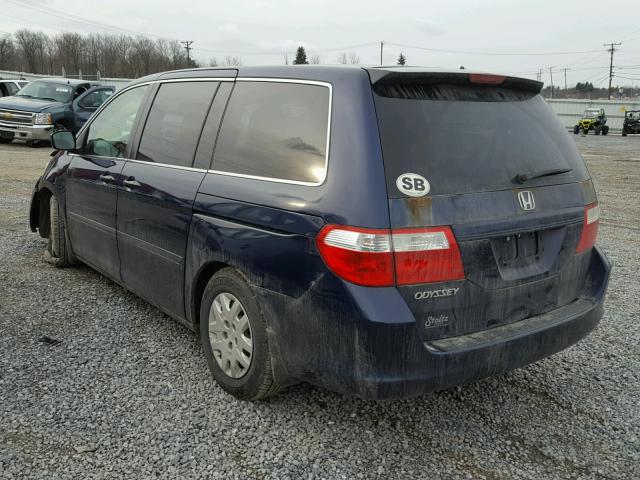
x: 377, y: 258
x: 486, y: 79
x: 589, y: 228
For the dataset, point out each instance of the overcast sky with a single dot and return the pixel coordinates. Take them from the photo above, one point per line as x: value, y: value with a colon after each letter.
x: 264, y: 31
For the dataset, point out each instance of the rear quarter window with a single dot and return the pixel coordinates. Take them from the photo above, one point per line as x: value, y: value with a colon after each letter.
x: 275, y: 130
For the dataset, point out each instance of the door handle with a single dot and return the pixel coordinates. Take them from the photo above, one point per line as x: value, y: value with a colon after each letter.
x: 106, y: 178
x: 131, y: 183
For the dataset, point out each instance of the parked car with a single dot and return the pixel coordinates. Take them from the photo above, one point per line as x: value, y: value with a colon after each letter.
x: 34, y: 112
x: 11, y: 87
x: 356, y: 228
x: 631, y: 122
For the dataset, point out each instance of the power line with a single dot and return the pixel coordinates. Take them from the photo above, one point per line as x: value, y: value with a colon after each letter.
x: 104, y: 26
x: 467, y: 52
x: 611, y: 50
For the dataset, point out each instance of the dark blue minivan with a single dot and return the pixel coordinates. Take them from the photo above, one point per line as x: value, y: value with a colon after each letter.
x: 381, y: 232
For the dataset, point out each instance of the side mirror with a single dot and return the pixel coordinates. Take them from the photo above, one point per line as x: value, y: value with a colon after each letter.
x: 63, y: 140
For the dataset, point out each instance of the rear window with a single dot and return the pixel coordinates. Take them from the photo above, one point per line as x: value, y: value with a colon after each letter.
x: 467, y: 139
x: 275, y: 130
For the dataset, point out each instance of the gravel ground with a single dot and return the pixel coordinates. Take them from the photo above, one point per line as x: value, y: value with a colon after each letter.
x: 126, y: 391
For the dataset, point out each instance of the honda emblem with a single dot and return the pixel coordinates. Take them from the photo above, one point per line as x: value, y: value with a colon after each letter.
x: 526, y: 200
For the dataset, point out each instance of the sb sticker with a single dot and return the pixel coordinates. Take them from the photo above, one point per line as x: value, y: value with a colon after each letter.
x: 413, y: 184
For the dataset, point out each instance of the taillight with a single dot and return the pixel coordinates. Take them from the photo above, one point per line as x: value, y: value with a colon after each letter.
x: 359, y: 255
x: 589, y: 228
x: 405, y: 256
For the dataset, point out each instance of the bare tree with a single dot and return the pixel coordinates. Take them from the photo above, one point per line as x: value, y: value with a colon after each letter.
x: 70, y: 46
x: 342, y: 58
x: 230, y: 61
x: 28, y: 43
x: 7, y: 53
x: 354, y: 59
x: 213, y: 62
x: 108, y: 55
x: 315, y: 59
x: 177, y: 54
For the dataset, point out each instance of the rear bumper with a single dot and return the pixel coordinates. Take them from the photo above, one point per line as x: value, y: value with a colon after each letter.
x: 27, y: 132
x: 352, y: 353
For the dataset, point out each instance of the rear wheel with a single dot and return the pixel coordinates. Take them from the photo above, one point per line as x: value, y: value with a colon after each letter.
x: 624, y: 133
x: 234, y: 338
x: 605, y: 130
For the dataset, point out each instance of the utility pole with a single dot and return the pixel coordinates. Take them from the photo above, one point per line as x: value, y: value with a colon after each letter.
x: 551, y: 75
x: 187, y: 47
x: 539, y: 75
x: 381, y: 49
x: 612, y: 48
x: 565, y: 77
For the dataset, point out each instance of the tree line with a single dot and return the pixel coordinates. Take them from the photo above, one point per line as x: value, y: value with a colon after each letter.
x: 74, y: 54
x: 87, y: 54
x: 346, y: 59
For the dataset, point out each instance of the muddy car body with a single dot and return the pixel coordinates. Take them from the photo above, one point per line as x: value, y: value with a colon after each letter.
x: 353, y: 228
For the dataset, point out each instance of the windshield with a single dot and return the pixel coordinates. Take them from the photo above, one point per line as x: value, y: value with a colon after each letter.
x: 479, y: 143
x: 58, y: 92
x: 591, y: 113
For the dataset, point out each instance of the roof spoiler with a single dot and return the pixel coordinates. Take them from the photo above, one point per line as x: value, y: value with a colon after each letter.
x: 395, y: 77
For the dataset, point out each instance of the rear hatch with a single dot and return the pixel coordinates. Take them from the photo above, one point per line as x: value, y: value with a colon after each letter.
x: 492, y: 163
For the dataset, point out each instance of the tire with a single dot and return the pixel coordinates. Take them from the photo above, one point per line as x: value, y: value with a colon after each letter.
x: 605, y: 130
x: 624, y: 134
x: 229, y: 331
x: 585, y: 131
x: 32, y: 143
x: 596, y: 131
x: 57, y: 252
x: 576, y: 129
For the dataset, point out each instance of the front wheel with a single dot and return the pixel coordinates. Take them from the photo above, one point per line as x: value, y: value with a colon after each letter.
x: 576, y: 129
x: 234, y: 338
x: 585, y: 131
x: 57, y: 252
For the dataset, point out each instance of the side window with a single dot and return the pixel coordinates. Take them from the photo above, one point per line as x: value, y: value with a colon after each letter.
x: 109, y: 133
x: 275, y: 130
x: 12, y: 88
x: 175, y: 121
x: 95, y: 98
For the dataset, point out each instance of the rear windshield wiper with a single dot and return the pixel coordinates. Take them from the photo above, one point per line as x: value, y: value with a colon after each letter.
x: 525, y: 177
